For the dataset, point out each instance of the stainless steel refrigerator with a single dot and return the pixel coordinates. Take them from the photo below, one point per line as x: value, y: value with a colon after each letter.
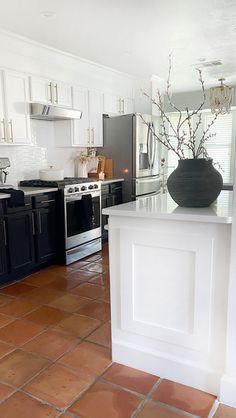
x: 130, y: 143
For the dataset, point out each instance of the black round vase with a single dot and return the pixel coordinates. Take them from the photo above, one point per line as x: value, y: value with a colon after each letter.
x: 195, y: 183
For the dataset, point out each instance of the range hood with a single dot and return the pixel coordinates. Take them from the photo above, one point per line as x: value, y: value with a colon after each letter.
x: 49, y: 112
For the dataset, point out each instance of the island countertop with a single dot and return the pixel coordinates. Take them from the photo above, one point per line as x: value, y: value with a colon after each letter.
x: 162, y: 206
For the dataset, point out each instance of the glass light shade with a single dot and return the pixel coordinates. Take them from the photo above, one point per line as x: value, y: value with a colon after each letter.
x: 221, y: 98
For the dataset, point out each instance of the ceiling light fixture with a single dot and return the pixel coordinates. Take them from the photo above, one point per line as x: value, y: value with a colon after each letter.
x: 221, y: 98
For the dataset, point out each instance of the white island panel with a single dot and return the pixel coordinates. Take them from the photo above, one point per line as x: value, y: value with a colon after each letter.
x: 169, y: 284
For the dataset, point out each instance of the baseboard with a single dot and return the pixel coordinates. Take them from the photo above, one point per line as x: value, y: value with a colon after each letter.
x: 167, y: 367
x: 228, y: 391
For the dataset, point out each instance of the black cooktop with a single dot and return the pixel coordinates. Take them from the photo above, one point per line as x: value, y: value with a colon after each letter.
x: 55, y: 183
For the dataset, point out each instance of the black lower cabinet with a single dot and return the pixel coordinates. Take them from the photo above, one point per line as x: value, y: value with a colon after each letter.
x: 111, y: 196
x: 28, y: 236
x: 20, y: 233
x: 45, y: 237
x: 3, y: 252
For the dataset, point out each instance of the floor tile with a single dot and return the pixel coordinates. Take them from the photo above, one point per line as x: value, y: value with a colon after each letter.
x: 102, y: 335
x: 47, y: 316
x: 18, y: 307
x: 96, y: 309
x: 19, y: 366
x: 21, y: 405
x: 5, y: 349
x: 130, y: 378
x: 88, y: 357
x: 101, y: 280
x: 89, y: 290
x: 63, y: 284
x: 70, y: 303
x: 152, y: 410
x: 224, y: 411
x: 17, y: 289
x: 104, y: 400
x: 98, y: 267
x: 78, y: 264
x: 183, y: 397
x: 93, y: 258
x: 51, y: 344
x: 44, y: 295
x: 4, y: 299
x: 78, y: 325
x: 82, y: 275
x: 5, y: 391
x: 19, y: 332
x: 41, y: 278
x: 5, y: 319
x: 58, y: 385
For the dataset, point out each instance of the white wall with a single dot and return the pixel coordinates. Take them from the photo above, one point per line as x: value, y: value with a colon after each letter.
x: 32, y: 58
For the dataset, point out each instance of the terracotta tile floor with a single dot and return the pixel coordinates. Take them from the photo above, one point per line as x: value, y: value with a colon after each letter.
x: 55, y: 354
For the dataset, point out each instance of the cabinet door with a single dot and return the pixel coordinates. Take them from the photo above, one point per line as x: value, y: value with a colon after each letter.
x: 20, y: 241
x: 95, y: 118
x: 62, y: 94
x: 40, y: 90
x: 46, y: 234
x: 81, y: 132
x: 112, y: 104
x: 3, y: 251
x: 17, y: 107
x: 3, y: 137
x: 128, y: 105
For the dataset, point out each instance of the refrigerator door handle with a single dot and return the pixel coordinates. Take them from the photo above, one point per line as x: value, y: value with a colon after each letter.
x: 154, y: 147
x: 148, y: 145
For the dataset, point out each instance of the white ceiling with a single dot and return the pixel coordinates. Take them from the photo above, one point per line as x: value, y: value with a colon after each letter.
x: 135, y: 36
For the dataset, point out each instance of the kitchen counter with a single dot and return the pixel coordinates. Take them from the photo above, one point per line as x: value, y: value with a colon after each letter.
x: 30, y: 191
x: 169, y: 274
x: 109, y: 181
x: 162, y: 206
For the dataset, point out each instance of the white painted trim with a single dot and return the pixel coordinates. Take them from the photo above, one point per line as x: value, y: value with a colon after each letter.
x: 166, y: 366
x: 228, y: 390
x: 27, y: 40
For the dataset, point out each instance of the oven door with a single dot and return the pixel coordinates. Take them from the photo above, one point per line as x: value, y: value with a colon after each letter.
x: 82, y: 218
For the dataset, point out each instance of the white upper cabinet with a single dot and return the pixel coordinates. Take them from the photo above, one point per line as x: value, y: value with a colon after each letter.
x: 118, y: 105
x: 15, y: 122
x: 47, y: 91
x: 95, y: 118
x: 87, y: 131
x: 80, y: 127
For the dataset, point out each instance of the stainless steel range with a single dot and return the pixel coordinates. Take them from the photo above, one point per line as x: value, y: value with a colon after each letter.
x: 82, y: 210
x: 81, y: 215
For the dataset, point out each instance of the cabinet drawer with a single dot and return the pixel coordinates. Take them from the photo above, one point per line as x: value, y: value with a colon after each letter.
x: 27, y: 206
x: 45, y: 199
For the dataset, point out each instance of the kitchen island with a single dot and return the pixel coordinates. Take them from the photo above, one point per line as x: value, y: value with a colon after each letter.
x: 169, y: 272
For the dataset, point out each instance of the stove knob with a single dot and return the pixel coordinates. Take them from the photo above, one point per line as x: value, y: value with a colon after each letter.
x: 70, y: 190
x: 76, y: 189
x: 91, y: 186
x: 95, y: 186
x: 83, y: 188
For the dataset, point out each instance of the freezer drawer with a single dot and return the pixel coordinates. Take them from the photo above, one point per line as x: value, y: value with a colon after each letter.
x: 147, y: 185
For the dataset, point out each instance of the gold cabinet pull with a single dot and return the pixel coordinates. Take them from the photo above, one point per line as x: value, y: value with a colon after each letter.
x: 11, y: 130
x: 50, y: 92
x: 33, y: 223
x: 88, y: 136
x: 4, y: 129
x: 40, y: 223
x: 56, y: 90
x: 92, y: 135
x: 4, y: 232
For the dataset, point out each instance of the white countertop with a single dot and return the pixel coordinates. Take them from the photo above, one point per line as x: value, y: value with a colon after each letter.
x: 162, y: 206
x: 30, y: 191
